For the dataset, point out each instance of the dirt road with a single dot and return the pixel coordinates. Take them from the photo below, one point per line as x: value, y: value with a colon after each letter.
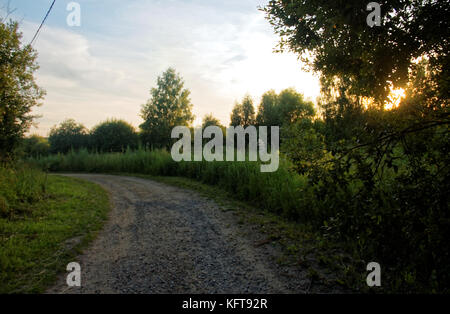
x: 164, y: 239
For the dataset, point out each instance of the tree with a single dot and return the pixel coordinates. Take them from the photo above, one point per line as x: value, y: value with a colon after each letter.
x: 381, y: 176
x: 18, y: 90
x: 333, y: 38
x: 248, y: 112
x: 286, y: 108
x: 169, y: 106
x: 236, y: 115
x: 35, y: 146
x: 113, y: 136
x: 69, y: 135
x: 293, y: 107
x: 267, y: 110
x: 304, y: 145
x: 243, y: 114
x: 210, y: 120
x: 344, y: 119
x: 359, y: 65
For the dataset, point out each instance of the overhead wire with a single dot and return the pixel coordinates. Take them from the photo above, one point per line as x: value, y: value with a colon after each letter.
x: 42, y: 23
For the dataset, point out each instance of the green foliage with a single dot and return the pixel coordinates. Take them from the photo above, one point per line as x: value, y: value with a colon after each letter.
x: 379, y: 178
x: 304, y: 145
x: 210, y: 120
x: 283, y: 109
x: 344, y: 118
x: 396, y: 214
x: 113, y: 136
x: 248, y: 112
x: 67, y: 136
x: 243, y: 114
x: 19, y: 92
x: 393, y: 180
x: 168, y: 107
x: 236, y: 115
x: 35, y: 146
x: 267, y: 110
x: 292, y: 107
x: 334, y: 39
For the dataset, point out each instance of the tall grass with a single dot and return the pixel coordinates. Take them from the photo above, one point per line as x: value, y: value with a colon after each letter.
x: 20, y: 186
x: 282, y: 192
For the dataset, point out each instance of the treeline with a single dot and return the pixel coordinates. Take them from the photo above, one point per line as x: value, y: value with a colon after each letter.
x: 118, y: 136
x: 109, y: 136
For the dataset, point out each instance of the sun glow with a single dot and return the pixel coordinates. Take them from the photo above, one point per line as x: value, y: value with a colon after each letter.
x: 394, y: 98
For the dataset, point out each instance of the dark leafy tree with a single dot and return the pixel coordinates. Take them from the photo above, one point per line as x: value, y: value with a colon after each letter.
x: 293, y: 107
x: 35, y: 146
x: 243, y: 113
x: 67, y: 136
x: 284, y: 109
x: 236, y: 115
x: 334, y: 39
x: 248, y: 112
x: 210, y: 120
x: 18, y: 90
x: 113, y: 136
x: 268, y: 113
x: 378, y: 176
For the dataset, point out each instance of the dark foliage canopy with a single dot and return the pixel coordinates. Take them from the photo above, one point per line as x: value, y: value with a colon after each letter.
x: 18, y: 90
x: 333, y: 38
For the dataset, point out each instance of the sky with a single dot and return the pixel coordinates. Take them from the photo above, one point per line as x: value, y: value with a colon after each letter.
x: 106, y: 67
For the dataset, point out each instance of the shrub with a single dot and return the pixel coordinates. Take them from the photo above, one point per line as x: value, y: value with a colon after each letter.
x: 113, y: 136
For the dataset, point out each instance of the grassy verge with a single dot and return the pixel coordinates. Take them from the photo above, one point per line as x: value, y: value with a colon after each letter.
x: 302, y: 246
x: 37, y: 245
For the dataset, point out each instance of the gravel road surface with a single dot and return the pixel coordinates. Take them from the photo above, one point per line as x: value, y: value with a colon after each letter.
x: 164, y: 239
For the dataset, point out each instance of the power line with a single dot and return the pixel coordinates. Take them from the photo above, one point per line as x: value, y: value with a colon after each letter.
x: 43, y: 21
